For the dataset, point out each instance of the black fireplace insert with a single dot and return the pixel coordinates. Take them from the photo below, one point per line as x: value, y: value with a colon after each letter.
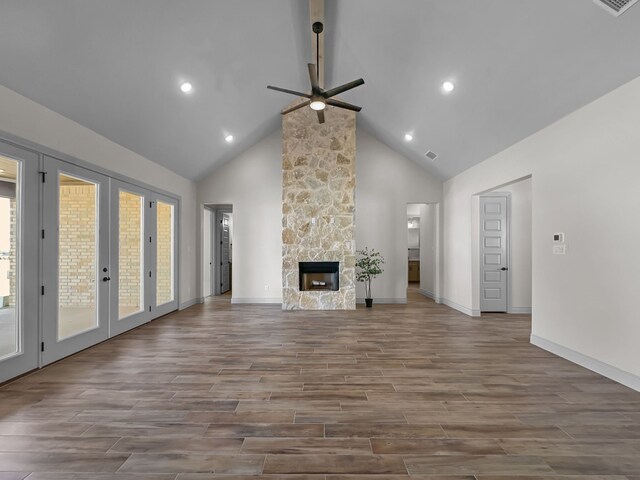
x: 316, y: 276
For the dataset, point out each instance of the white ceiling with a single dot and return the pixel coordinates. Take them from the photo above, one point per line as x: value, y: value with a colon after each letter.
x: 115, y: 66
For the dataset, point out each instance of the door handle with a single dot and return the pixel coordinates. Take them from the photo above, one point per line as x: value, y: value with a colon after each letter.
x: 106, y: 279
x: 504, y: 269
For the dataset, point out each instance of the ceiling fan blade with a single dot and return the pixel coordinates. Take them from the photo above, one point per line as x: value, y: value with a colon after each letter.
x: 296, y: 107
x: 338, y: 103
x: 313, y: 77
x: 343, y: 88
x: 292, y: 92
x: 320, y: 116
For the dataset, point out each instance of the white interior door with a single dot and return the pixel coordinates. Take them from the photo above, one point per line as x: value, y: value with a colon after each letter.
x: 75, y: 267
x: 164, y: 247
x: 494, y: 248
x: 19, y: 292
x: 131, y: 235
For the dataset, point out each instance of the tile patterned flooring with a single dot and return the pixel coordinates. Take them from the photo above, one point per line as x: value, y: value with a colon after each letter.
x: 242, y: 392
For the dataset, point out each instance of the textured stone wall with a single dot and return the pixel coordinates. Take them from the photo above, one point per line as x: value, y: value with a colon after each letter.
x: 318, y: 168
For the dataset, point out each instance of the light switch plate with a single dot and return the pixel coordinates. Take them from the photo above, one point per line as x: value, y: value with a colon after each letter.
x: 559, y: 249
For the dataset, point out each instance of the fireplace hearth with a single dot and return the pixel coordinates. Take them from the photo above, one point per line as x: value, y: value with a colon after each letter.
x: 319, y: 276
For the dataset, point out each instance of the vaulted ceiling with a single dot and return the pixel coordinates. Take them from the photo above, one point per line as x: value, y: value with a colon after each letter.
x: 116, y: 66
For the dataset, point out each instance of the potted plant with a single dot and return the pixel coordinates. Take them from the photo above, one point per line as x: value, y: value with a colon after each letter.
x: 368, y: 266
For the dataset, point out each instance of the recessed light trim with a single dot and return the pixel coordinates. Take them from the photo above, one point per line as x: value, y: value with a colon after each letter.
x: 228, y: 138
x: 448, y: 86
x: 186, y: 87
x: 408, y: 137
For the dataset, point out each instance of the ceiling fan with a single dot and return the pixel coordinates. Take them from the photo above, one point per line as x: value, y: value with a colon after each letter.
x: 319, y: 98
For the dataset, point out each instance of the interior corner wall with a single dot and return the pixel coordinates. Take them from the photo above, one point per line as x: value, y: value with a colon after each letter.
x: 585, y: 176
x: 252, y: 183
x: 385, y: 183
x: 30, y: 121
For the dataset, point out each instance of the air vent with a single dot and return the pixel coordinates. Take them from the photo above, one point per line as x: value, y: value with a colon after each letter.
x: 616, y: 7
x: 431, y: 155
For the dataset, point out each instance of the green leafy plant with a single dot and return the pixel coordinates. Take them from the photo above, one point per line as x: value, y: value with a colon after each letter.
x: 368, y: 266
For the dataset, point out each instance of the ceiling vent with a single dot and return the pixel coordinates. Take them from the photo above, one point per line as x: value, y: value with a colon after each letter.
x: 616, y: 7
x: 431, y: 155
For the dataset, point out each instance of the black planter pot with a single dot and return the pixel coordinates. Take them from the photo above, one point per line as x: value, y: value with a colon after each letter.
x: 368, y: 302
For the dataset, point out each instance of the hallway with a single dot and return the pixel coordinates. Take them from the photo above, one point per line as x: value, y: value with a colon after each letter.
x: 396, y: 390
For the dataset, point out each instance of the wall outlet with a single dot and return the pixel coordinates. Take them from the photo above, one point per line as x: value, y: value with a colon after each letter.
x: 266, y: 288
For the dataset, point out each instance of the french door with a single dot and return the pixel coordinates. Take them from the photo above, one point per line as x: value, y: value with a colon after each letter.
x: 76, y: 261
x: 131, y: 242
x: 164, y: 247
x: 19, y: 293
x: 83, y: 257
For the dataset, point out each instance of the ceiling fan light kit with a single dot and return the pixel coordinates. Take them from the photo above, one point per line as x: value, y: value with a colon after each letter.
x: 319, y: 98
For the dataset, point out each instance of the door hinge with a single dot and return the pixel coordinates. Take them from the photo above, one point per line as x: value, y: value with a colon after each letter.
x: 149, y: 239
x: 42, y: 290
x: 149, y: 307
x: 149, y: 274
x: 150, y: 204
x: 43, y: 233
x: 42, y: 346
x: 43, y: 175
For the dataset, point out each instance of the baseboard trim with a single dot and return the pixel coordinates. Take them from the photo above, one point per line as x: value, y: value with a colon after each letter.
x: 518, y: 310
x: 384, y: 301
x: 625, y: 378
x: 256, y: 301
x: 467, y: 311
x: 190, y: 303
x: 428, y: 294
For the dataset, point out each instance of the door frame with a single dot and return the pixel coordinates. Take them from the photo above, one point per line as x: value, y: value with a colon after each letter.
x: 217, y: 211
x: 28, y: 263
x: 507, y: 196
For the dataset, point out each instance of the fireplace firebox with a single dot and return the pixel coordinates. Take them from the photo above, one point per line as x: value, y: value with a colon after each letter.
x: 316, y: 276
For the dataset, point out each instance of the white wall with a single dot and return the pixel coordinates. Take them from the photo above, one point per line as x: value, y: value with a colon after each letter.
x: 28, y: 120
x: 585, y: 177
x: 428, y: 249
x: 252, y: 183
x: 385, y: 183
x: 206, y: 253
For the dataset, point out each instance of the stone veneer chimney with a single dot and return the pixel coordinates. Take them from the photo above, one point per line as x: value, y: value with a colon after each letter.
x: 318, y: 185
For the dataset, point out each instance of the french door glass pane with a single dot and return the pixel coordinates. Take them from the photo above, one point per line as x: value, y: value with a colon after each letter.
x: 131, y: 254
x: 77, y: 264
x: 9, y: 282
x: 164, y: 253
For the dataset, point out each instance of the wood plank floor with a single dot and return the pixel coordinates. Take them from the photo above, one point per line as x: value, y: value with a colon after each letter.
x: 238, y: 392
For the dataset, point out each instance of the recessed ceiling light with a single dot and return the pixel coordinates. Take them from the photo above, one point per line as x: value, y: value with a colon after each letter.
x: 448, y: 86
x: 186, y: 87
x: 408, y: 137
x: 1, y: 170
x: 228, y: 138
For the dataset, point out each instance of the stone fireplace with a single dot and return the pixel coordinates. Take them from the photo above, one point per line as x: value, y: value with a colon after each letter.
x: 318, y: 209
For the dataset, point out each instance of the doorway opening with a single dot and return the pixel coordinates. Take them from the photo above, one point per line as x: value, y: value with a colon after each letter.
x: 218, y: 251
x: 422, y: 251
x: 502, y: 250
